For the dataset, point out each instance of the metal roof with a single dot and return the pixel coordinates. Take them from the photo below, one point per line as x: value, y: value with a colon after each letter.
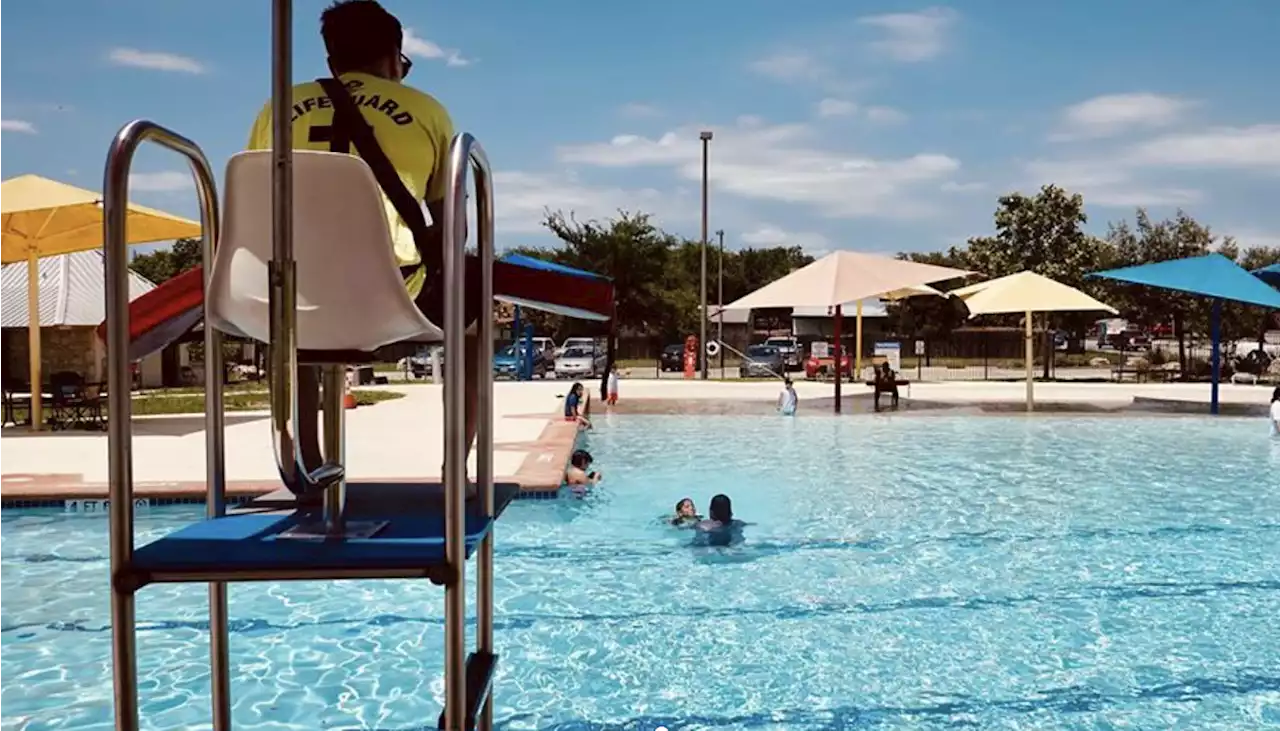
x: 72, y: 291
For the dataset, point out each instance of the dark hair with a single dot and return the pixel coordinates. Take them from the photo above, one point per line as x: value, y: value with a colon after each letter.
x: 581, y: 459
x: 721, y: 509
x: 682, y: 501
x: 359, y: 33
x: 576, y: 387
x: 1275, y: 395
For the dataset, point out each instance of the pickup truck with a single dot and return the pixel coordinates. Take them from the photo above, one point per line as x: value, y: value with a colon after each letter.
x: 789, y: 349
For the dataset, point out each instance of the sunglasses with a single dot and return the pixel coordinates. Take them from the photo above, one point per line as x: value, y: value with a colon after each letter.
x: 406, y: 63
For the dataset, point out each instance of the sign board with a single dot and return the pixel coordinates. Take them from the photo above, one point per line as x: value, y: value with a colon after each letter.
x: 919, y: 347
x: 891, y: 352
x: 820, y: 349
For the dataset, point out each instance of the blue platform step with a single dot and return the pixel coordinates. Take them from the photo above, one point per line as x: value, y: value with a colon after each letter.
x: 248, y: 546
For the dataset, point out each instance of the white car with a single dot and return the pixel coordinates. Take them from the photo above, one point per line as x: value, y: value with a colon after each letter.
x: 579, y: 362
x: 587, y: 343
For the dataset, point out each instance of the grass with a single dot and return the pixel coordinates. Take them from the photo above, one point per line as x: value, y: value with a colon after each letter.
x: 183, y: 401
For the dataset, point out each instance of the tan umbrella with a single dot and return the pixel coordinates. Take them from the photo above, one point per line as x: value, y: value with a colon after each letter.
x: 41, y: 217
x: 1026, y: 293
x: 842, y: 277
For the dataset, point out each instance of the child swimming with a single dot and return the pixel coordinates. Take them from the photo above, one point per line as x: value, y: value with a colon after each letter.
x: 686, y: 514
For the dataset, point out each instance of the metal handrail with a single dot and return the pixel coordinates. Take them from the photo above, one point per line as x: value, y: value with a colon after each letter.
x: 465, y: 152
x: 115, y: 204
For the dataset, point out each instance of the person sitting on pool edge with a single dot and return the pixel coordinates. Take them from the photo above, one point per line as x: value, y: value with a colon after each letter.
x: 574, y: 405
x: 686, y: 514
x: 721, y: 528
x: 576, y: 475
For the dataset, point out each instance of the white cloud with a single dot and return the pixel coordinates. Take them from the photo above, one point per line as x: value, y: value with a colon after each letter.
x: 1250, y: 238
x: 780, y: 163
x: 526, y: 197
x: 639, y: 110
x: 912, y: 37
x: 162, y: 182
x: 1108, y: 182
x: 770, y: 235
x: 886, y: 115
x: 17, y: 125
x: 836, y: 108
x: 1113, y: 114
x: 416, y: 45
x: 156, y: 61
x: 952, y: 186
x: 791, y: 66
x: 1222, y: 147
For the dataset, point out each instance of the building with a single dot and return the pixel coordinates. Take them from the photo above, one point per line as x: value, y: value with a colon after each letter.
x: 72, y: 305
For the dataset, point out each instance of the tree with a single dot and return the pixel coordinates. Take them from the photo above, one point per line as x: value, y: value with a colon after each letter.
x: 164, y: 264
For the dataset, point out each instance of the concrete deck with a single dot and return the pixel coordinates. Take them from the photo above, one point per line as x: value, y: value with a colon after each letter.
x: 401, y: 440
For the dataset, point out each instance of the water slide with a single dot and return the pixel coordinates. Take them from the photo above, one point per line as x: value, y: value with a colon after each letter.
x: 163, y: 315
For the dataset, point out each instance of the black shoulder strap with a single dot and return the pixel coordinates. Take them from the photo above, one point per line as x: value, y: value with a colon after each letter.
x: 348, y: 123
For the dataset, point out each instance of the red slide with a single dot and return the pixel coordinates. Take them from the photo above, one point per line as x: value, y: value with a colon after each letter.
x: 166, y: 313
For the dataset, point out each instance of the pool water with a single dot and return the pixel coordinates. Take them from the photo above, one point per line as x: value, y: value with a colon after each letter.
x: 899, y: 573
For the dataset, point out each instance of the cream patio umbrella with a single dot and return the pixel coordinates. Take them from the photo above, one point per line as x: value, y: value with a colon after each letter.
x: 843, y: 277
x: 41, y: 217
x: 1026, y: 293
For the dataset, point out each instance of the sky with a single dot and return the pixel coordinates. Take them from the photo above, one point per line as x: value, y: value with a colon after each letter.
x: 874, y: 126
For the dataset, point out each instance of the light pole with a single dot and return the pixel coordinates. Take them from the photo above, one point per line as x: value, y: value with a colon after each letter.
x: 702, y: 281
x: 720, y: 301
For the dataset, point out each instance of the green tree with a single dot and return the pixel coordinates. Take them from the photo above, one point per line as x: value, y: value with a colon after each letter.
x: 164, y: 264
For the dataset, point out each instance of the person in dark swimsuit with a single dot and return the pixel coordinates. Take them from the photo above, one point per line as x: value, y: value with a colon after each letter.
x: 721, y: 528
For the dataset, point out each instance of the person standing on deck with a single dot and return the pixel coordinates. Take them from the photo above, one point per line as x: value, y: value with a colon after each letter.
x: 788, y: 400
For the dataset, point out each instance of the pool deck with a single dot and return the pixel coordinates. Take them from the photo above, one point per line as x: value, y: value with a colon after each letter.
x: 401, y: 440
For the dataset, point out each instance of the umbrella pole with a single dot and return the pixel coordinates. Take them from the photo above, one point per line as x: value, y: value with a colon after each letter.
x: 857, y: 342
x: 1030, y: 357
x: 36, y: 411
x: 1215, y: 357
x: 838, y: 319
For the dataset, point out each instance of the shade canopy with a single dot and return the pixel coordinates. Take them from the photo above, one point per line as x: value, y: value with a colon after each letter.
x: 1025, y: 292
x: 1270, y: 275
x: 45, y: 217
x: 1213, y: 275
x: 843, y: 277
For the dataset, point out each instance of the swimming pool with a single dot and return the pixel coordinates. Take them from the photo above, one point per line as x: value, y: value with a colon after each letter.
x: 921, y: 572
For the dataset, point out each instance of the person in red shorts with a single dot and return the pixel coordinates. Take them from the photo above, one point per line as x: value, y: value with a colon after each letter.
x: 612, y: 387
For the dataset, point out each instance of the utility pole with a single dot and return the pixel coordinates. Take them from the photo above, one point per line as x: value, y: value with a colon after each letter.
x: 702, y: 281
x: 720, y: 300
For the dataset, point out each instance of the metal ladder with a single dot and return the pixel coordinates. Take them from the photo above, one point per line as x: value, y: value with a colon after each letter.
x: 462, y: 694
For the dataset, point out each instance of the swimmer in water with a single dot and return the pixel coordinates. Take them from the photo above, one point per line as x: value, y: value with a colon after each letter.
x: 721, y: 528
x: 576, y: 474
x: 686, y: 514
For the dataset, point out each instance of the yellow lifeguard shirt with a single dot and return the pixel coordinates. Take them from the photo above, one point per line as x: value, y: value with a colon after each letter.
x: 413, y: 128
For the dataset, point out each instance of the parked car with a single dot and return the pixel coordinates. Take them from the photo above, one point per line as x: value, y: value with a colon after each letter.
x: 575, y: 343
x: 789, y: 348
x: 762, y: 361
x: 672, y: 358
x: 823, y: 367
x: 507, y: 365
x: 580, y: 362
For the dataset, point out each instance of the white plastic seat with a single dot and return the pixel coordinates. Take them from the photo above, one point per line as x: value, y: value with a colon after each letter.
x: 351, y: 295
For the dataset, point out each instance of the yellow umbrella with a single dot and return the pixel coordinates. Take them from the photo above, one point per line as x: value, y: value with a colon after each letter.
x: 915, y: 290
x: 41, y: 217
x: 1026, y: 293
